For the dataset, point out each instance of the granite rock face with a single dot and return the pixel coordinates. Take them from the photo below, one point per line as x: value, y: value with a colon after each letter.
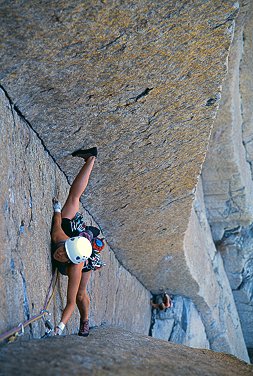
x: 116, y: 297
x: 209, y: 318
x: 180, y: 324
x: 227, y: 175
x: 227, y: 171
x: 236, y: 248
x: 140, y: 81
x: 212, y: 294
x: 110, y: 351
x: 29, y: 179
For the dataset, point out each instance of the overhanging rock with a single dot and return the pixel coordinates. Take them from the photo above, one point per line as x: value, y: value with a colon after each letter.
x: 141, y: 82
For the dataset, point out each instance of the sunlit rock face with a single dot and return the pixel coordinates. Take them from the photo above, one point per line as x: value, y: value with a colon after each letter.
x: 142, y: 82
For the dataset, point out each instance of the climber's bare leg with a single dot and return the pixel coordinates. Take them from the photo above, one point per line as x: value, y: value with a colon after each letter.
x: 82, y: 298
x: 77, y: 188
x: 74, y: 272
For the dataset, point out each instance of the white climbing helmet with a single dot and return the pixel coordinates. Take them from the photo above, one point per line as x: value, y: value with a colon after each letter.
x: 78, y: 249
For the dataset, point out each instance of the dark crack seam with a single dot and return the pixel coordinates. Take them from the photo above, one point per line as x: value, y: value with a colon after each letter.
x: 16, y: 109
x: 241, y: 105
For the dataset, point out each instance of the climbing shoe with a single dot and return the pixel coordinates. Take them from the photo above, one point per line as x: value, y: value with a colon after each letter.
x: 84, y: 328
x: 85, y: 153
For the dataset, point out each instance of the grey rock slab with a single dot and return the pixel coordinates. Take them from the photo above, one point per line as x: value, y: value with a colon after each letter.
x: 111, y: 351
x: 236, y: 249
x: 181, y: 323
x: 227, y: 170
x: 213, y: 296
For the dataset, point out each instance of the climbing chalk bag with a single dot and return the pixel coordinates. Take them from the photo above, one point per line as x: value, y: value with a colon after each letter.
x: 98, y: 244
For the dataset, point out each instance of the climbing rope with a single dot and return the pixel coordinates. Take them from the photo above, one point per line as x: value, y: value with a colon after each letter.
x: 18, y: 331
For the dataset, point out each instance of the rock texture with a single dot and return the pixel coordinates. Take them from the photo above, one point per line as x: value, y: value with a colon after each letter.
x: 180, y: 324
x: 29, y: 179
x: 116, y: 297
x: 227, y: 178
x: 227, y: 171
x: 236, y: 249
x: 142, y: 81
x: 210, y: 318
x: 110, y: 351
x: 212, y: 293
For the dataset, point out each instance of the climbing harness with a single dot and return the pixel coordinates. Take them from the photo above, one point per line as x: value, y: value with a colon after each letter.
x: 77, y: 223
x: 18, y: 331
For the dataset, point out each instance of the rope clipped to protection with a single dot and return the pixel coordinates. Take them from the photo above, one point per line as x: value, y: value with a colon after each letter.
x: 18, y: 331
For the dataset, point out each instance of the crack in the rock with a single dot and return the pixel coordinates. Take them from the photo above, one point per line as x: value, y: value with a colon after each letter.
x: 231, y: 205
x: 30, y: 201
x: 144, y: 93
x: 121, y: 207
x: 231, y: 17
x: 180, y: 198
x: 105, y: 46
x: 213, y: 100
x: 26, y: 308
x: 78, y: 130
x: 132, y: 101
x: 17, y: 110
x: 46, y: 90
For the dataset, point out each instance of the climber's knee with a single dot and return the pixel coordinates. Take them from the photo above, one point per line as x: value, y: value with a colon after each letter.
x: 82, y: 296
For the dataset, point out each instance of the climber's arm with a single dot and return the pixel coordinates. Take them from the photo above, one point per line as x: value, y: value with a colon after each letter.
x: 154, y: 305
x: 57, y: 234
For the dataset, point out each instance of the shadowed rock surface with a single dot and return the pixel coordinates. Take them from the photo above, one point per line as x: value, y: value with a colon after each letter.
x: 110, y: 351
x: 227, y: 171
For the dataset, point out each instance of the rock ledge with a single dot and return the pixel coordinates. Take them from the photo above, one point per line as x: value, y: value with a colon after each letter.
x: 111, y: 351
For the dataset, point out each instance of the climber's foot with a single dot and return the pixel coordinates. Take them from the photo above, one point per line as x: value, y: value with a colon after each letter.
x: 85, y: 153
x: 84, y: 328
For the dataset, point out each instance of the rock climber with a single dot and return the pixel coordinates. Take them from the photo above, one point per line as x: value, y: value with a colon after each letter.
x: 71, y: 250
x: 161, y: 301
